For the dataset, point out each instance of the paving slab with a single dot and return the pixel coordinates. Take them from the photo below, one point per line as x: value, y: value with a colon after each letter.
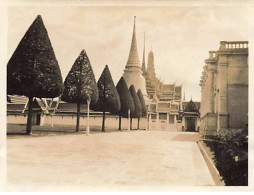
x: 135, y: 160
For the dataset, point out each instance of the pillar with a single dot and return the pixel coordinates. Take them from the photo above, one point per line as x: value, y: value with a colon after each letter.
x: 223, y: 93
x: 183, y: 123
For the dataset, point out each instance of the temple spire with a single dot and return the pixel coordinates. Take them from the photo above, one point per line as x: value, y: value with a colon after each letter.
x: 133, y: 59
x: 144, y: 53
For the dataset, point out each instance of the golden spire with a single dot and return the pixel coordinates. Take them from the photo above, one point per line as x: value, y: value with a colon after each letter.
x: 144, y: 53
x: 133, y: 59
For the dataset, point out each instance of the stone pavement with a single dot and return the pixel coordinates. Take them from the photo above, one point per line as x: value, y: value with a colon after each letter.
x: 136, y: 160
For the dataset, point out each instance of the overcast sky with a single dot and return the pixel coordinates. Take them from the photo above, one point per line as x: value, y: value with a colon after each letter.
x: 180, y: 37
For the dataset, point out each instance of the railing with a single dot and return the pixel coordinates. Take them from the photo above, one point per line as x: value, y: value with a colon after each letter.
x: 212, y: 54
x: 233, y: 45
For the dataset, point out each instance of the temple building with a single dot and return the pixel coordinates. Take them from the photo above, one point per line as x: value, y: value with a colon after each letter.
x: 190, y: 116
x: 153, y: 84
x: 132, y: 72
x: 164, y: 100
x: 224, y: 88
x: 163, y: 112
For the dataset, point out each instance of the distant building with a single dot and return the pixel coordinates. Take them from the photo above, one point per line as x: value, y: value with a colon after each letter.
x: 163, y: 112
x: 224, y: 88
x: 190, y: 116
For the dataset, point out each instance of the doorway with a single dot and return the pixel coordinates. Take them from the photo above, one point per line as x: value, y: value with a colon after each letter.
x: 191, y: 124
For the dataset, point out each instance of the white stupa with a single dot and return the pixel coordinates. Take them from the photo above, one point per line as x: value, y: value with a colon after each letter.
x: 132, y: 72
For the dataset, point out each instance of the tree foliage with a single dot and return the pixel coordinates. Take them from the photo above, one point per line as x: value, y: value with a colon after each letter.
x: 125, y: 98
x: 80, y: 83
x: 109, y: 100
x: 33, y: 69
x: 142, y: 102
x: 137, y: 105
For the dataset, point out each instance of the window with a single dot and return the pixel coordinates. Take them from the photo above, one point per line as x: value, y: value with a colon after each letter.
x: 153, y: 116
x: 153, y: 107
x: 162, y: 116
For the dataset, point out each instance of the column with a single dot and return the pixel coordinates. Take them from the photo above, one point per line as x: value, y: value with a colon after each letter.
x: 210, y: 90
x: 183, y: 123
x: 223, y: 93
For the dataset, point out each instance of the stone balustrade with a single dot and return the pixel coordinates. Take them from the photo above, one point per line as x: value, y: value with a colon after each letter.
x: 233, y: 45
x: 212, y: 54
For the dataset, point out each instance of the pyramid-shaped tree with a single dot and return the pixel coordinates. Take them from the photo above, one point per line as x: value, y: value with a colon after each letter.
x: 109, y: 100
x: 137, y: 105
x: 33, y: 69
x: 80, y: 85
x: 143, y: 105
x: 127, y: 104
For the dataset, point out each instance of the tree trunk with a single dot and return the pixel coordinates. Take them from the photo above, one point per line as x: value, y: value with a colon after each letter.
x: 88, y: 125
x: 120, y: 122
x: 29, y: 116
x: 78, y: 116
x: 103, y: 122
x: 129, y: 116
x: 138, y: 122
x: 131, y: 123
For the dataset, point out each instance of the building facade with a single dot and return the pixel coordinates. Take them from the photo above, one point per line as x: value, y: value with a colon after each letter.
x: 224, y: 88
x: 163, y: 112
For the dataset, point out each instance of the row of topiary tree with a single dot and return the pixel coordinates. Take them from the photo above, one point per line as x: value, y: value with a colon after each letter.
x: 33, y: 71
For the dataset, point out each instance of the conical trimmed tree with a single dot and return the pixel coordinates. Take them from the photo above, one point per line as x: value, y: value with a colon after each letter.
x: 109, y: 100
x: 137, y: 105
x: 125, y: 99
x: 80, y: 85
x: 143, y: 105
x: 33, y: 70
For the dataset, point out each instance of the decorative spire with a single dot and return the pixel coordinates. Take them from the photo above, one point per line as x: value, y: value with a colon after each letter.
x: 133, y: 59
x: 144, y: 53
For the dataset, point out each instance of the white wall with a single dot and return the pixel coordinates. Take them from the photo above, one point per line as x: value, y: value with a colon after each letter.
x: 16, y: 119
x: 110, y: 122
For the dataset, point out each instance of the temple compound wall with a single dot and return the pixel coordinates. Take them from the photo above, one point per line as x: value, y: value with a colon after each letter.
x: 224, y: 88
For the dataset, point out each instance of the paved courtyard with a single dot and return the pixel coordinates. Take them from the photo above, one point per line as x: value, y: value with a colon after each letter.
x: 136, y: 160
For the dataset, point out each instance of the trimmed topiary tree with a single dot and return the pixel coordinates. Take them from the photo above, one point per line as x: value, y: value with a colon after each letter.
x: 143, y: 105
x: 137, y: 105
x: 33, y: 70
x: 109, y: 100
x: 126, y: 100
x: 80, y: 86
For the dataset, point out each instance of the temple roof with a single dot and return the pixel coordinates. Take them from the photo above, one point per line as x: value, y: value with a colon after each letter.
x: 16, y: 99
x: 19, y: 108
x: 191, y: 106
x: 168, y: 88
x: 133, y: 59
x: 70, y: 108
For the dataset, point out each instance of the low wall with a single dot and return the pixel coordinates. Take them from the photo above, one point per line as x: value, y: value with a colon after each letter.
x: 110, y: 122
x: 16, y: 119
x: 164, y: 126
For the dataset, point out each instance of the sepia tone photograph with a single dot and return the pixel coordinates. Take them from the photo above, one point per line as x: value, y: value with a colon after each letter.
x: 127, y: 97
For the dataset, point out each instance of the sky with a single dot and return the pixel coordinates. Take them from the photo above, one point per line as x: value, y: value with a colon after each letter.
x: 180, y: 37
